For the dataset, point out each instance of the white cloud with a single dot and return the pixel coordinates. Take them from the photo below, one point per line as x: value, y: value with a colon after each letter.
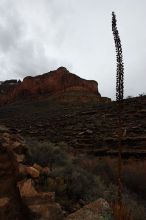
x: 39, y: 35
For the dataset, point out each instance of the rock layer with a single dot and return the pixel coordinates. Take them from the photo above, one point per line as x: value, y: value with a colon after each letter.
x: 51, y: 83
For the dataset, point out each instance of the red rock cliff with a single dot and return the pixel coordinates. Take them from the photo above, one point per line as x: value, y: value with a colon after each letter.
x: 51, y: 83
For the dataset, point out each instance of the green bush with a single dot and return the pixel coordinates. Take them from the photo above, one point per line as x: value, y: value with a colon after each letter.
x: 45, y: 154
x: 80, y: 184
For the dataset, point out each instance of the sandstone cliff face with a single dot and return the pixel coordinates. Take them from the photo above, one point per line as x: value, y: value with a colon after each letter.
x: 58, y: 80
x: 51, y: 83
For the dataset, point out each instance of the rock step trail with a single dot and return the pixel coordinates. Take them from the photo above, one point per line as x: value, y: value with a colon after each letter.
x: 11, y: 206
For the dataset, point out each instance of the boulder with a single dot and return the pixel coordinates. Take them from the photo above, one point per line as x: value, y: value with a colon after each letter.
x: 34, y: 173
x: 26, y: 188
x: 43, y: 170
x: 42, y: 206
x: 17, y: 199
x: 97, y: 210
x: 10, y: 200
x: 14, y: 142
x: 37, y: 167
x: 22, y: 169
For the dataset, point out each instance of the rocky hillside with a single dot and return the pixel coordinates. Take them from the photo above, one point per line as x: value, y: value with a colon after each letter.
x: 11, y: 205
x: 61, y: 107
x: 18, y: 197
x: 65, y: 113
x: 88, y: 127
x: 49, y: 84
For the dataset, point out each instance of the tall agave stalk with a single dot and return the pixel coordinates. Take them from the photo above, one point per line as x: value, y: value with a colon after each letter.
x: 119, y: 99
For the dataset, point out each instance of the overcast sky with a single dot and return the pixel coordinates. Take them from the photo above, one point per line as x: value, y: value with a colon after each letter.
x: 37, y: 36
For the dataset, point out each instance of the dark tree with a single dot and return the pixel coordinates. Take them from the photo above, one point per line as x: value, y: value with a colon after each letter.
x: 119, y: 99
x: 120, y: 65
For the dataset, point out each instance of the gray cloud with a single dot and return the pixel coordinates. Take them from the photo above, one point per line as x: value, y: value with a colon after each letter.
x: 39, y: 35
x: 23, y: 48
x: 10, y: 28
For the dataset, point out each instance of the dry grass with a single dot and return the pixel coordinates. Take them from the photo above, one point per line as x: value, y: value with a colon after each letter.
x: 120, y: 212
x: 134, y: 177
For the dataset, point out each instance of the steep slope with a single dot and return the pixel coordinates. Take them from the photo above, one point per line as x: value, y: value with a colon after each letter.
x: 88, y: 127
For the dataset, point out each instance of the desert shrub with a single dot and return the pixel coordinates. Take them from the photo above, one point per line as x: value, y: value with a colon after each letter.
x: 83, y: 185
x: 132, y: 209
x: 110, y: 193
x: 46, y: 154
x: 138, y: 211
x: 87, y: 163
x: 106, y: 216
x: 105, y: 167
x: 134, y: 178
x: 141, y: 94
x: 80, y: 184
